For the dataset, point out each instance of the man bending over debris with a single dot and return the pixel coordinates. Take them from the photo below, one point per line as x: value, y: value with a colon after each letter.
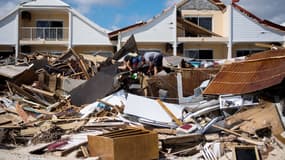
x: 154, y: 60
x: 131, y: 62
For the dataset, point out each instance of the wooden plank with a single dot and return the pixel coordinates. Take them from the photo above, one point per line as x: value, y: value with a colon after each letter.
x: 84, y: 151
x: 26, y: 94
x: 81, y: 63
x: 37, y: 111
x: 32, y: 89
x: 69, y: 150
x: 177, y: 121
x: 165, y: 131
x: 240, y: 137
x: 188, y: 138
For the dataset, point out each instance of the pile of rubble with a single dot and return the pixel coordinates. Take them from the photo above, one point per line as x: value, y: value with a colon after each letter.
x: 212, y: 110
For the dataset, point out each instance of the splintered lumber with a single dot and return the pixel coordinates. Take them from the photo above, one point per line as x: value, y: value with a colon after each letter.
x: 46, y: 93
x: 26, y: 94
x: 81, y: 63
x: 84, y: 151
x: 180, y: 139
x: 69, y: 150
x: 177, y: 121
x: 256, y: 118
x: 239, y: 136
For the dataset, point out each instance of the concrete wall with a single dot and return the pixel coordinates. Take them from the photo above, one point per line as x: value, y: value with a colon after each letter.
x: 85, y: 34
x: 88, y: 49
x: 159, y: 29
x: 219, y: 50
x: 246, y: 29
x: 48, y: 48
x: 8, y: 30
x: 45, y: 15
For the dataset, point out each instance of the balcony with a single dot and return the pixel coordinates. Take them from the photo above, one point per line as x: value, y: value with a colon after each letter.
x: 44, y: 35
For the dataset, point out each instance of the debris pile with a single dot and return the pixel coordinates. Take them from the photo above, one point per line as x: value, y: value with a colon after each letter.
x: 67, y: 104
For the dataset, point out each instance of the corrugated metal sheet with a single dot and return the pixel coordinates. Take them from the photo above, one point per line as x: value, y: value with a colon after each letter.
x: 249, y: 76
x: 267, y: 54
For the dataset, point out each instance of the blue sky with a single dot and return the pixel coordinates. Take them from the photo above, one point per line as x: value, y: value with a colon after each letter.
x: 115, y: 14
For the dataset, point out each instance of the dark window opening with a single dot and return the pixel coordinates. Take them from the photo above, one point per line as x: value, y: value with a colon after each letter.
x: 199, y: 54
x: 245, y: 52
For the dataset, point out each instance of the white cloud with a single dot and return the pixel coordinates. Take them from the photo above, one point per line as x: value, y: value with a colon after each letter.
x: 169, y: 3
x: 7, y: 6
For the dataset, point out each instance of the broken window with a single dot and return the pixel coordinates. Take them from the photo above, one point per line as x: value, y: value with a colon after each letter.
x: 199, y: 54
x: 245, y: 52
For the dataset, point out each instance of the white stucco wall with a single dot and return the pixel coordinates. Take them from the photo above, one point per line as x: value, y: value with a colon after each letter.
x: 246, y: 29
x: 86, y: 34
x: 158, y: 30
x: 8, y: 30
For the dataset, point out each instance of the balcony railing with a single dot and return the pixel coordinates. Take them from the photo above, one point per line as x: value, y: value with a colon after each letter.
x: 44, y: 33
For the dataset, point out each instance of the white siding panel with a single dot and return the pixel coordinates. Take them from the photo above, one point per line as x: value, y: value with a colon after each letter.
x: 85, y: 34
x: 245, y: 29
x: 8, y: 30
x: 158, y: 30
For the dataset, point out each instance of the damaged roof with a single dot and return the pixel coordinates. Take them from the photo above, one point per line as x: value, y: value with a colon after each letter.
x: 263, y: 22
x: 259, y: 72
x: 201, y: 5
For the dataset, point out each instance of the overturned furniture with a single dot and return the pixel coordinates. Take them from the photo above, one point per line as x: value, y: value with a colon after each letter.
x: 124, y: 144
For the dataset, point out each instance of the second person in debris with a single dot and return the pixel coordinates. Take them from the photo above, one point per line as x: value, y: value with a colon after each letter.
x: 154, y: 60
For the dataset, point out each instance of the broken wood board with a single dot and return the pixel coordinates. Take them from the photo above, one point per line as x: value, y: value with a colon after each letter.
x: 188, y: 138
x: 258, y: 117
x: 39, y: 91
x: 239, y: 136
x: 73, y: 125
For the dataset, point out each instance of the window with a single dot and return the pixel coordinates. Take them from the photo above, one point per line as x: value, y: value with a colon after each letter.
x: 199, y: 54
x: 49, y: 30
x: 205, y: 22
x: 245, y: 52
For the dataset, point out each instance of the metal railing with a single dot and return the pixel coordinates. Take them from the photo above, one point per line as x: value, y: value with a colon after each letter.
x: 44, y: 33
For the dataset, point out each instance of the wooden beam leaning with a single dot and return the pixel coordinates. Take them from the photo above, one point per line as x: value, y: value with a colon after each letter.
x: 177, y: 121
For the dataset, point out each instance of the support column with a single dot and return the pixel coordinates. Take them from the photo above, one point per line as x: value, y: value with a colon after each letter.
x: 179, y: 87
x: 119, y: 41
x: 18, y: 37
x: 174, y: 45
x: 70, y: 32
x: 230, y: 42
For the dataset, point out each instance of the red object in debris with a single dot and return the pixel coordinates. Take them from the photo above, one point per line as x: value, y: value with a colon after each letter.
x: 186, y: 126
x: 57, y: 144
x: 235, y: 1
